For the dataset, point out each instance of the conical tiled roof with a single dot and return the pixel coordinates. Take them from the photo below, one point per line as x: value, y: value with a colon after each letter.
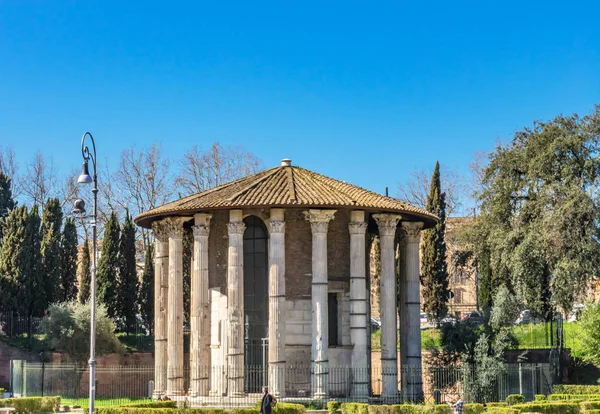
x: 285, y: 186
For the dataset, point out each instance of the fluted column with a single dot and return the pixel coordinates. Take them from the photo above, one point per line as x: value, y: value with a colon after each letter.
x: 175, y: 380
x: 235, y: 303
x: 199, y: 309
x: 411, y: 328
x: 161, y: 288
x: 389, y: 337
x: 277, y: 303
x: 358, y: 304
x: 319, y: 223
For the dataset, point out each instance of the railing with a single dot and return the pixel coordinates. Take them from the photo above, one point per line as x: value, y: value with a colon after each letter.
x: 119, y: 384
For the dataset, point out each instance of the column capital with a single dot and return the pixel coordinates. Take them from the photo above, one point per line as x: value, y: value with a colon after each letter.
x: 174, y: 226
x: 276, y: 226
x: 412, y: 230
x: 200, y: 230
x: 357, y: 227
x: 159, y: 229
x: 387, y: 223
x: 319, y: 220
x: 236, y: 227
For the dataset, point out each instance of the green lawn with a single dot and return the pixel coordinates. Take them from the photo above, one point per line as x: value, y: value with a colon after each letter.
x: 100, y: 402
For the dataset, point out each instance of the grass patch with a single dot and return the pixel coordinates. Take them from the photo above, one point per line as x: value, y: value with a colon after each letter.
x: 102, y: 401
x: 430, y: 339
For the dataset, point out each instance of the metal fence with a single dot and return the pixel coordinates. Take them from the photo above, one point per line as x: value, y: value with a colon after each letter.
x: 117, y: 384
x: 12, y: 324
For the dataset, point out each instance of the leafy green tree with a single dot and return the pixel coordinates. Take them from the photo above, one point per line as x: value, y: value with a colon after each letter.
x: 108, y: 267
x: 68, y: 253
x: 540, y: 211
x: 147, y: 290
x: 590, y: 340
x: 7, y: 203
x: 67, y: 329
x: 51, y: 252
x: 85, y: 273
x: 128, y: 281
x: 434, y: 271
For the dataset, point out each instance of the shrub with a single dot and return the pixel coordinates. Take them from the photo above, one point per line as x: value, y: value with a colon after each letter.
x: 497, y: 404
x: 354, y: 408
x: 588, y: 406
x: 576, y: 389
x: 288, y: 408
x: 513, y: 399
x: 501, y: 410
x: 474, y: 409
x: 333, y: 407
x: 31, y: 404
x: 572, y: 397
x: 244, y: 411
x: 548, y: 408
x: 540, y: 397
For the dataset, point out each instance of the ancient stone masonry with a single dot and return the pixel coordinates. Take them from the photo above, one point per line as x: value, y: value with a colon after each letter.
x: 161, y: 289
x: 319, y: 221
x: 389, y: 338
x: 199, y: 312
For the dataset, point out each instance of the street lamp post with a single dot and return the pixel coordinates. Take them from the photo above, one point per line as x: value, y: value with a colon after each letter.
x: 85, y: 178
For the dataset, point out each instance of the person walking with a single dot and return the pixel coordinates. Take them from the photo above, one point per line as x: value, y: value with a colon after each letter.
x: 268, y: 401
x: 458, y: 406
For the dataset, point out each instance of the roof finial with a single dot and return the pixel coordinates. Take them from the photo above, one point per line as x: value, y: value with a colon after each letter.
x: 286, y: 162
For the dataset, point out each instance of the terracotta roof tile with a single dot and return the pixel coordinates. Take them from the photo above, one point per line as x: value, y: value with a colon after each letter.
x: 285, y: 186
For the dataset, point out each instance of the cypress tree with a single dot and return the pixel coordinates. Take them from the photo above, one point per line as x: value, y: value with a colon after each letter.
x: 108, y: 274
x: 68, y: 260
x: 434, y: 271
x: 13, y: 259
x: 128, y: 280
x: 7, y: 203
x: 32, y: 296
x: 147, y: 290
x: 85, y: 273
x: 51, y: 251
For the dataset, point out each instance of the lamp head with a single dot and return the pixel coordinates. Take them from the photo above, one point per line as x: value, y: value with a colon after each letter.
x: 79, y: 206
x: 85, y: 177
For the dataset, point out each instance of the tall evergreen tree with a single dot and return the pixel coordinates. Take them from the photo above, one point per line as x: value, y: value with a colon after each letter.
x: 68, y: 253
x: 7, y: 203
x: 50, y: 249
x: 13, y: 258
x: 34, y: 285
x: 85, y: 273
x: 147, y: 290
x: 108, y: 274
x: 434, y: 271
x: 128, y: 280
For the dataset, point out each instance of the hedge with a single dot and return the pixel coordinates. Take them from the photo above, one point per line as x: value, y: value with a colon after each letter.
x: 576, y: 389
x: 354, y: 408
x: 588, y: 406
x: 151, y: 404
x: 288, y: 408
x: 513, y: 399
x: 570, y: 397
x: 32, y: 404
x: 361, y: 408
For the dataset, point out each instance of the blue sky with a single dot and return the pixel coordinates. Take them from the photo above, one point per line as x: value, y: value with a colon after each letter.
x: 362, y: 91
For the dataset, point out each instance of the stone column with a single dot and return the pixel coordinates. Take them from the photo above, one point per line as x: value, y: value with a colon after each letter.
x: 277, y: 303
x: 358, y: 304
x: 199, y: 309
x: 175, y: 380
x: 319, y: 223
x: 235, y: 303
x: 389, y: 338
x: 411, y: 328
x: 161, y: 289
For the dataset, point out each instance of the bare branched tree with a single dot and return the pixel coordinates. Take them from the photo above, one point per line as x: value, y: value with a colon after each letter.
x: 201, y: 170
x: 143, y: 181
x: 9, y: 167
x: 40, y: 181
x: 477, y: 167
x: 416, y: 188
